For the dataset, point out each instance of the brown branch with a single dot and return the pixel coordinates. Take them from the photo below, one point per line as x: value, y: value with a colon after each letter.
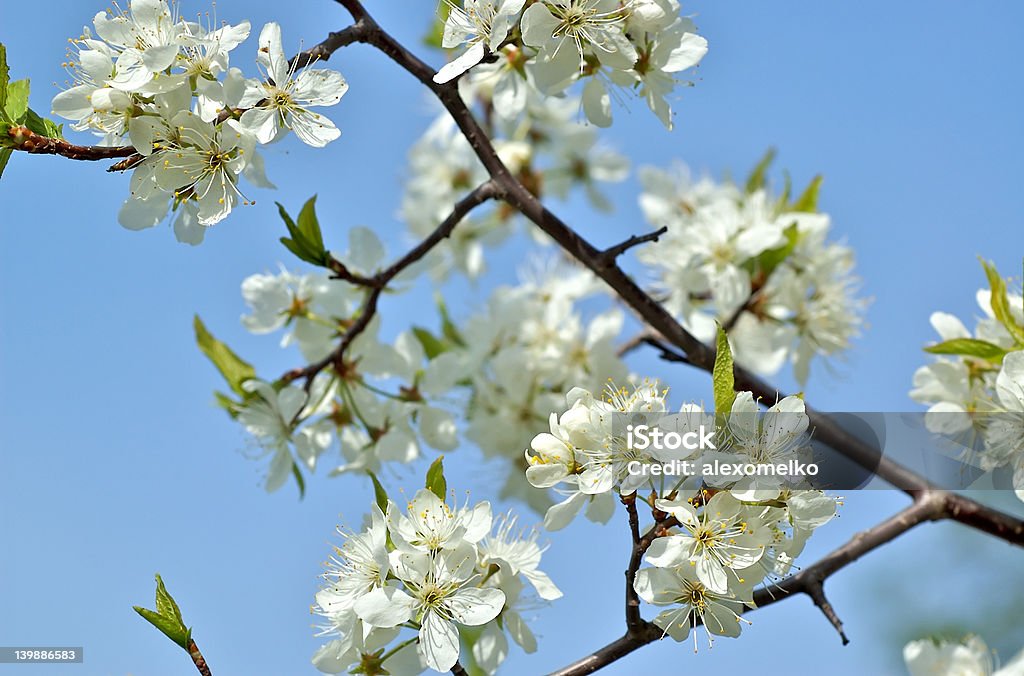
x: 198, y: 659
x: 608, y: 256
x: 28, y: 141
x: 378, y: 282
x: 634, y: 622
x: 930, y: 505
x: 459, y: 670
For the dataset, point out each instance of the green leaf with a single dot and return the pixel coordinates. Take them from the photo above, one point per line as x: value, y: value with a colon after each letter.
x: 432, y: 345
x: 306, y: 241
x: 16, y: 105
x: 226, y: 403
x: 436, y: 482
x: 969, y: 347
x: 768, y: 260
x: 299, y: 479
x: 234, y: 369
x: 165, y: 603
x: 309, y: 225
x: 722, y: 376
x: 759, y: 176
x: 787, y: 188
x: 5, y: 154
x: 1001, y: 303
x: 42, y: 126
x: 167, y: 616
x: 5, y: 78
x: 448, y: 327
x: 808, y: 200
x: 379, y: 494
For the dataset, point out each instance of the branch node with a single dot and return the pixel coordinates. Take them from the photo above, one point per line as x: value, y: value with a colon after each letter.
x: 815, y: 588
x: 607, y: 257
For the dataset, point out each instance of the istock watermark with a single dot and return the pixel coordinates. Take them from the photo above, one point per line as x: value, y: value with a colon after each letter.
x: 718, y: 468
x: 642, y: 437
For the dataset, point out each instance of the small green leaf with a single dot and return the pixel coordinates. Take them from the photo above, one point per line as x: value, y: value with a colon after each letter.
x: 226, y: 403
x: 448, y: 327
x: 299, y: 479
x: 167, y: 616
x: 379, y: 494
x: 42, y: 126
x: 759, y: 176
x: 808, y: 201
x: 1001, y: 303
x: 165, y: 604
x: 722, y: 376
x: 787, y: 188
x: 309, y: 225
x: 436, y: 482
x: 969, y: 347
x: 17, y: 101
x: 306, y: 241
x: 234, y: 369
x: 768, y: 260
x: 432, y: 346
x: 5, y: 154
x: 5, y: 78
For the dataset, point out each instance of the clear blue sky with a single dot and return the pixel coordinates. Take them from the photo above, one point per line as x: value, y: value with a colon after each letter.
x: 116, y: 465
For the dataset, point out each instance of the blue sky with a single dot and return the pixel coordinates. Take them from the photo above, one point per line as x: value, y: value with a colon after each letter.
x: 116, y: 465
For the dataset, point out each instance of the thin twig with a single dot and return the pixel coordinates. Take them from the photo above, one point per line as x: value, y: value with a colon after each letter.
x: 634, y: 622
x: 198, y: 659
x: 28, y: 141
x: 608, y: 256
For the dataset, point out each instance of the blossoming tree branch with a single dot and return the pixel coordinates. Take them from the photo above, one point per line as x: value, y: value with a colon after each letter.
x: 742, y: 281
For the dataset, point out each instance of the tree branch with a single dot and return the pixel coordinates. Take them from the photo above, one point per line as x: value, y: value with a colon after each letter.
x: 928, y: 506
x: 26, y: 140
x: 378, y: 282
x: 198, y: 659
x: 459, y: 670
x: 608, y: 256
x: 634, y: 622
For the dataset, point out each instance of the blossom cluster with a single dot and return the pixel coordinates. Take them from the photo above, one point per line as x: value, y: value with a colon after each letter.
x: 345, y: 405
x: 617, y: 47
x: 975, y: 385
x: 519, y: 356
x: 538, y: 139
x: 759, y: 264
x: 431, y: 570
x: 968, y: 656
x: 165, y: 84
x: 728, y: 533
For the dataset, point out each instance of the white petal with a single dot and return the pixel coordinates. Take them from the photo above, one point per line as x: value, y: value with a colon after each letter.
x: 271, y: 53
x: 385, y: 607
x: 313, y: 129
x: 474, y: 606
x: 559, y: 516
x: 439, y: 642
x: 597, y: 104
x: 261, y: 123
x: 319, y: 87
x: 460, y: 64
x: 187, y: 229
x: 365, y: 250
